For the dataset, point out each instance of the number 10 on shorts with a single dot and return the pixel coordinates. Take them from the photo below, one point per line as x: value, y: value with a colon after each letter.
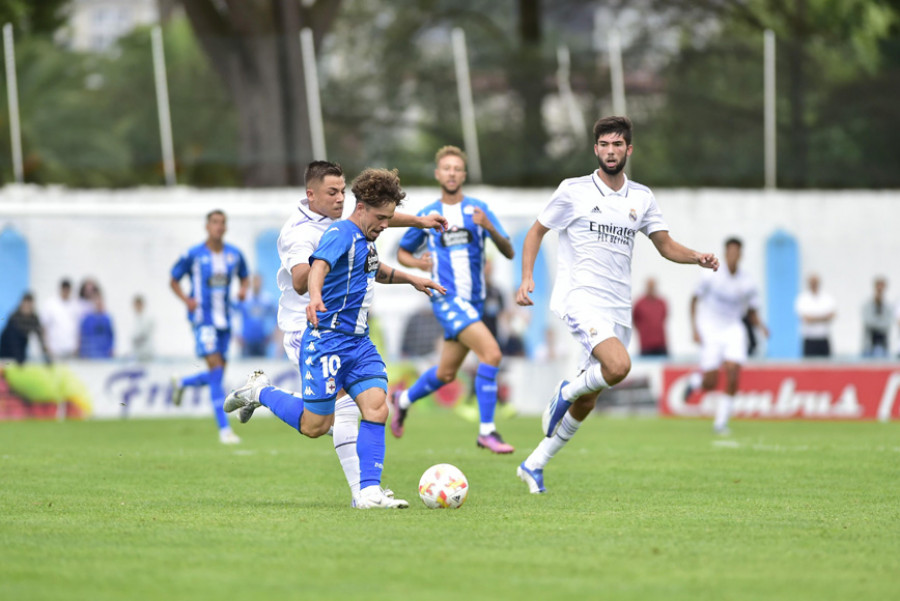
x: 330, y: 366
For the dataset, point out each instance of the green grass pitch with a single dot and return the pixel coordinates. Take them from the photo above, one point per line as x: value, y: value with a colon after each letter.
x: 638, y: 509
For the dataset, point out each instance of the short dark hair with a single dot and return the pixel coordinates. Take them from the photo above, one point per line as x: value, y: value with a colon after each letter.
x: 613, y: 125
x: 65, y: 283
x: 317, y: 170
x: 378, y: 187
x: 214, y: 212
x: 734, y: 240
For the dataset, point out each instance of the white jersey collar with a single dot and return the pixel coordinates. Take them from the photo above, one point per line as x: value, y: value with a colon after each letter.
x: 606, y: 190
x: 303, y: 207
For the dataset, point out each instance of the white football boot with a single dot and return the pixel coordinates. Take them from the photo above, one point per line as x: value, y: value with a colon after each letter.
x: 374, y: 497
x: 227, y: 436
x: 246, y: 397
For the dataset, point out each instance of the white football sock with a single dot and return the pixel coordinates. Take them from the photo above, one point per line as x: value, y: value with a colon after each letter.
x: 485, y: 428
x: 590, y: 380
x: 724, y: 404
x: 403, y: 401
x: 695, y: 380
x: 346, y: 429
x: 545, y: 451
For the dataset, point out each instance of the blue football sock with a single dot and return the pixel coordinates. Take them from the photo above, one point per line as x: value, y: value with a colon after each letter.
x: 486, y: 391
x: 217, y: 395
x: 286, y: 407
x: 201, y: 379
x: 370, y: 449
x: 427, y: 383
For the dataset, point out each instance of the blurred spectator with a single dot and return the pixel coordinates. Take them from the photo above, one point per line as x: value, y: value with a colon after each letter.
x: 96, y: 332
x: 61, y: 318
x: 422, y: 334
x: 258, y: 312
x: 649, y: 315
x: 19, y: 327
x: 493, y: 300
x: 87, y: 292
x: 498, y: 319
x: 816, y: 310
x: 878, y: 319
x: 142, y: 334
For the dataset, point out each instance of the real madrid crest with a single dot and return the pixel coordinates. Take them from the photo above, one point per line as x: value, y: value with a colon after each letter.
x: 632, y: 214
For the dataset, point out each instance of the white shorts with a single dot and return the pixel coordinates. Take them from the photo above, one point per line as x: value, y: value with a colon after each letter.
x: 293, y: 342
x: 722, y: 343
x: 590, y: 328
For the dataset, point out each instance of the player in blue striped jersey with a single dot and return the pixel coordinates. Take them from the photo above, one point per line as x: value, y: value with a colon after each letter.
x: 456, y: 260
x: 336, y: 352
x: 299, y: 238
x: 210, y: 266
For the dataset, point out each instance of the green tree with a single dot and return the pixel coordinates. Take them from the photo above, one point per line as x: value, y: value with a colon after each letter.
x: 254, y: 47
x: 34, y: 17
x: 714, y: 88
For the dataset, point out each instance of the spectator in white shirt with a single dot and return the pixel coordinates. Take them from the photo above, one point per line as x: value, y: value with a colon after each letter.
x: 61, y: 319
x: 816, y: 310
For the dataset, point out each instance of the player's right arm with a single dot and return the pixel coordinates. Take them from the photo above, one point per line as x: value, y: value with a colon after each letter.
x: 182, y: 267
x: 411, y: 242
x: 407, y: 259
x: 317, y: 273
x: 530, y: 249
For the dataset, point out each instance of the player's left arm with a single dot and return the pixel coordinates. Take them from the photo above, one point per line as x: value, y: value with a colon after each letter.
x: 678, y: 253
x: 423, y: 222
x: 389, y: 275
x: 500, y: 239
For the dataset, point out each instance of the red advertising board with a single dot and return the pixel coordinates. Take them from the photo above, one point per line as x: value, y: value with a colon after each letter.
x: 797, y: 391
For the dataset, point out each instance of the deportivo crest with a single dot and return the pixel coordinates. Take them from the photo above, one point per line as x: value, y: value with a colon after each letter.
x: 456, y: 236
x: 632, y: 214
x: 372, y: 261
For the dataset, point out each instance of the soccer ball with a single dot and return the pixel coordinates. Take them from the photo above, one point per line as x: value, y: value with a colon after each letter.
x: 443, y: 486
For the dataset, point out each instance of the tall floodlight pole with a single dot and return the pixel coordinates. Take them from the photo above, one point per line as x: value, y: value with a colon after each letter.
x: 617, y: 80
x: 162, y: 105
x: 616, y: 73
x: 769, y: 119
x: 313, y: 95
x: 466, y: 103
x: 12, y: 94
x: 563, y: 82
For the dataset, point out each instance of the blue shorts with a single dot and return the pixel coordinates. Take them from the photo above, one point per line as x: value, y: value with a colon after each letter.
x: 455, y: 314
x: 333, y: 360
x: 210, y: 340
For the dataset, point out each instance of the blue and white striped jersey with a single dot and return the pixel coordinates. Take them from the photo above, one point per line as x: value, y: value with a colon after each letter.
x: 350, y: 285
x: 211, y: 274
x: 458, y: 254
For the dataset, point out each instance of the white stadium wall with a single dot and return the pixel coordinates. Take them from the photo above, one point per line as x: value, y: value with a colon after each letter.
x: 129, y: 239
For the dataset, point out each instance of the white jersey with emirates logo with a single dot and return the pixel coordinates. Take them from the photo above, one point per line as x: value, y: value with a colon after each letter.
x: 725, y: 297
x: 597, y: 227
x: 298, y: 239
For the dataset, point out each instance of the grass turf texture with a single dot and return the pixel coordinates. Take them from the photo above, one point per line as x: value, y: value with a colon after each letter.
x: 637, y: 509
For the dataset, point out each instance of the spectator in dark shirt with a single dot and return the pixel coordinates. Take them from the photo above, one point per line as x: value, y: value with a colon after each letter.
x: 19, y: 327
x: 650, y: 312
x: 96, y: 340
